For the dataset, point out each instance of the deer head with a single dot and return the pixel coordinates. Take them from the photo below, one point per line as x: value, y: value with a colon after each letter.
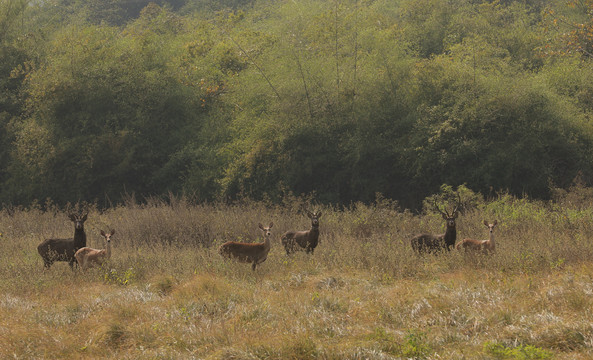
x: 107, y: 236
x: 449, y: 218
x: 490, y: 226
x: 267, y: 230
x: 314, y: 216
x: 78, y: 220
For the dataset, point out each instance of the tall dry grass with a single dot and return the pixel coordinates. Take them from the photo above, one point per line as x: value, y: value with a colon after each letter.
x: 166, y: 292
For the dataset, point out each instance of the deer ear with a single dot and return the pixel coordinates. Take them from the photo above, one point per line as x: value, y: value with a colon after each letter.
x: 84, y: 218
x: 319, y: 214
x: 444, y: 216
x: 102, y: 233
x: 309, y: 214
x: 112, y: 231
x: 271, y: 225
x: 72, y: 217
x: 486, y: 223
x: 495, y: 222
x: 261, y: 226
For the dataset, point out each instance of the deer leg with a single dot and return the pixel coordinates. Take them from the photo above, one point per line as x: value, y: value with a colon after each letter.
x: 253, y: 265
x: 289, y: 247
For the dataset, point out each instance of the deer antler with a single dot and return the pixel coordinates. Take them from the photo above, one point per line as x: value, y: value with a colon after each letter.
x: 439, y: 209
x: 458, y: 204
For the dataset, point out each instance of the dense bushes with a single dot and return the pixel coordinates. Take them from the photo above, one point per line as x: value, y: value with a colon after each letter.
x: 342, y: 99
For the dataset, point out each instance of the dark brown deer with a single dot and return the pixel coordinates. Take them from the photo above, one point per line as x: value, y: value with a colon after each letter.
x: 430, y: 243
x: 307, y: 240
x: 485, y: 246
x: 52, y: 250
x: 248, y: 253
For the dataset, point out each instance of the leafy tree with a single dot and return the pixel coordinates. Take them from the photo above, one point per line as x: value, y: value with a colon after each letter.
x: 343, y: 99
x: 573, y: 26
x: 109, y: 108
x: 11, y: 56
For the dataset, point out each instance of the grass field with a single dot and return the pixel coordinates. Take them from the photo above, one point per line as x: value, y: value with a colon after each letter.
x: 168, y: 294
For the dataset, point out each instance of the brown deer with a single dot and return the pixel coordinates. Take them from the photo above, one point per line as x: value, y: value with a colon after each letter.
x: 430, y: 243
x: 308, y: 240
x: 248, y: 253
x: 88, y: 257
x: 52, y: 250
x: 485, y: 246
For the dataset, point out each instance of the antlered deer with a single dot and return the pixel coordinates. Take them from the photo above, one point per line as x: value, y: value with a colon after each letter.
x: 307, y: 240
x: 429, y: 243
x: 88, y: 257
x: 248, y: 253
x: 485, y: 246
x: 64, y: 249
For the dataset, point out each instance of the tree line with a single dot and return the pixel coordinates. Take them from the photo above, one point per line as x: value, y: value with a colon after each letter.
x: 342, y: 99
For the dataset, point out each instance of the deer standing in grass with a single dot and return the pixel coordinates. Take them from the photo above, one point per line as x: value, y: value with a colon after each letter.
x: 52, y: 250
x: 88, y: 257
x: 248, y: 253
x: 307, y: 240
x: 485, y: 246
x: 429, y: 243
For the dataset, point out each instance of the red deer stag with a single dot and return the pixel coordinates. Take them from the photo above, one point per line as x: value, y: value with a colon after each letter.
x: 485, y: 246
x: 248, y: 253
x: 52, y: 250
x: 88, y: 257
x: 307, y: 240
x: 430, y: 243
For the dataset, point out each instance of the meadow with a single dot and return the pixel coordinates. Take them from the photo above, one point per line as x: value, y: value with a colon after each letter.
x: 167, y: 294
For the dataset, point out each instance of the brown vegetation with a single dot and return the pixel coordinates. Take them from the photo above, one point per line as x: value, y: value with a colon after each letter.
x: 169, y: 294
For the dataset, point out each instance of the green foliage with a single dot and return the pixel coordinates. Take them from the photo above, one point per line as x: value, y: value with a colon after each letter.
x: 522, y: 352
x: 235, y: 99
x: 113, y: 276
x: 415, y: 346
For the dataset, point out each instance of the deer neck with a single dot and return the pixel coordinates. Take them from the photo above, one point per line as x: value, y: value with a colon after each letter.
x: 314, y: 230
x: 108, y: 250
x: 80, y: 237
x: 491, y: 239
x: 267, y: 243
x: 450, y: 235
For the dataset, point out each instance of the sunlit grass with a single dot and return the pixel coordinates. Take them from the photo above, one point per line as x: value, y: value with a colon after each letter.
x: 166, y: 293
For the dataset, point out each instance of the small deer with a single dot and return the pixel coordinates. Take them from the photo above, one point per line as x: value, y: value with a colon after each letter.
x: 307, y: 239
x: 429, y: 243
x: 248, y: 253
x: 485, y: 246
x: 88, y: 257
x: 52, y: 250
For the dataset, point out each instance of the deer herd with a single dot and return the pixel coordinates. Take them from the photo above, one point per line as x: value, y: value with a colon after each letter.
x: 74, y: 250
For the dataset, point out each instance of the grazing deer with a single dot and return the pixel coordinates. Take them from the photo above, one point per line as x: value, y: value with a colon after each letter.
x: 64, y: 249
x: 307, y: 240
x: 88, y: 257
x: 485, y: 246
x: 248, y: 253
x: 430, y: 243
